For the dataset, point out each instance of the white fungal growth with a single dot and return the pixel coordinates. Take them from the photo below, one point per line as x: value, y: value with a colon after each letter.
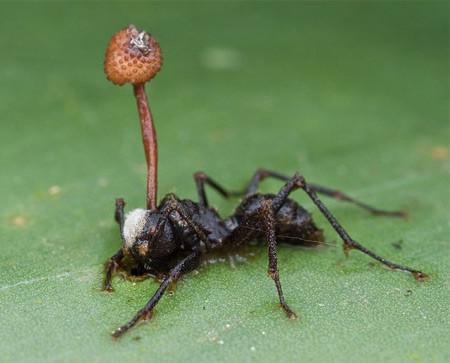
x: 134, y: 225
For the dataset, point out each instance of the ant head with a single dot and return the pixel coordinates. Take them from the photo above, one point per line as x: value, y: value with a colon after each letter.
x: 147, y: 236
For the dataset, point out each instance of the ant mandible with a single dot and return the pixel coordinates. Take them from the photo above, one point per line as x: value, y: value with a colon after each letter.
x: 171, y: 238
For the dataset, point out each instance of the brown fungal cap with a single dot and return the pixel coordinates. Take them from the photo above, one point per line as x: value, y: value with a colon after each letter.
x: 132, y: 57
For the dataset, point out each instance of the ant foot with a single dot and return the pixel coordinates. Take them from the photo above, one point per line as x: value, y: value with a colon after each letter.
x: 290, y: 313
x: 108, y: 288
x: 420, y: 276
x: 347, y: 247
x: 396, y: 213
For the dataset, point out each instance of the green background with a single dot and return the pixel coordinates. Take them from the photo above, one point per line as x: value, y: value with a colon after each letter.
x: 353, y: 95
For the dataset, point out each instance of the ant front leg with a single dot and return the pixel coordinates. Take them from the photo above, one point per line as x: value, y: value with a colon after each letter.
x: 268, y: 217
x: 119, y: 214
x: 298, y: 181
x: 146, y: 311
x: 114, y: 261
x: 111, y: 266
x: 262, y: 174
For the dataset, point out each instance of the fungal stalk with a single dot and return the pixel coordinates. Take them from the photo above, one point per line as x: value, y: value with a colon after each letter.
x: 134, y: 57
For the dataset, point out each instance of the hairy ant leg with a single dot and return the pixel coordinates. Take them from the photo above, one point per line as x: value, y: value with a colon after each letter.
x: 201, y: 179
x: 114, y: 261
x: 268, y: 217
x: 264, y: 217
x: 298, y: 181
x: 145, y: 312
x: 262, y: 174
x: 111, y: 267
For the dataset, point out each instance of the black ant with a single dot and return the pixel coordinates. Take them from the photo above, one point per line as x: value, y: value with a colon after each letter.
x: 172, y: 238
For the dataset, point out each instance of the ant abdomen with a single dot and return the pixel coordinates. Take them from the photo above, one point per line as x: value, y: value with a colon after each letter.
x: 296, y: 226
x: 293, y: 223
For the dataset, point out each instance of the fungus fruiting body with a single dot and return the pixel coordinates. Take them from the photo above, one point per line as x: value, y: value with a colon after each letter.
x: 134, y: 57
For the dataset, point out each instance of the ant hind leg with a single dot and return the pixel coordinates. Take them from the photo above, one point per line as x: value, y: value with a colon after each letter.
x: 262, y: 174
x: 202, y: 178
x: 268, y: 218
x: 297, y: 182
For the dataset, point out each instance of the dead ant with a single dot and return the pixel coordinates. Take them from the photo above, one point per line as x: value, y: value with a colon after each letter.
x: 171, y: 238
x: 174, y: 236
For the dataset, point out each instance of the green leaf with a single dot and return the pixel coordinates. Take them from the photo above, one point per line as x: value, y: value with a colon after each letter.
x: 352, y: 95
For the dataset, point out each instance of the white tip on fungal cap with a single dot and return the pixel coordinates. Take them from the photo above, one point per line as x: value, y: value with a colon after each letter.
x: 134, y: 225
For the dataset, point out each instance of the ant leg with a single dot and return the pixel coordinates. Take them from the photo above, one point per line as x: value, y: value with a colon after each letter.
x: 119, y: 214
x: 268, y: 218
x: 146, y: 311
x: 201, y: 179
x: 262, y: 174
x: 258, y: 177
x: 336, y: 194
x: 298, y: 181
x: 110, y: 268
x: 114, y: 261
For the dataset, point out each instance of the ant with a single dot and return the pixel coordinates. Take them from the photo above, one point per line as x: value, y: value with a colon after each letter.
x: 171, y: 238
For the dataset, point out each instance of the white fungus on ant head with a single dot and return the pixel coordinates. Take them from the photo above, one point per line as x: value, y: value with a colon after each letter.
x: 134, y: 226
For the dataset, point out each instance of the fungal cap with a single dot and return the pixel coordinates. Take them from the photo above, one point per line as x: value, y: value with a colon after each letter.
x: 132, y: 56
